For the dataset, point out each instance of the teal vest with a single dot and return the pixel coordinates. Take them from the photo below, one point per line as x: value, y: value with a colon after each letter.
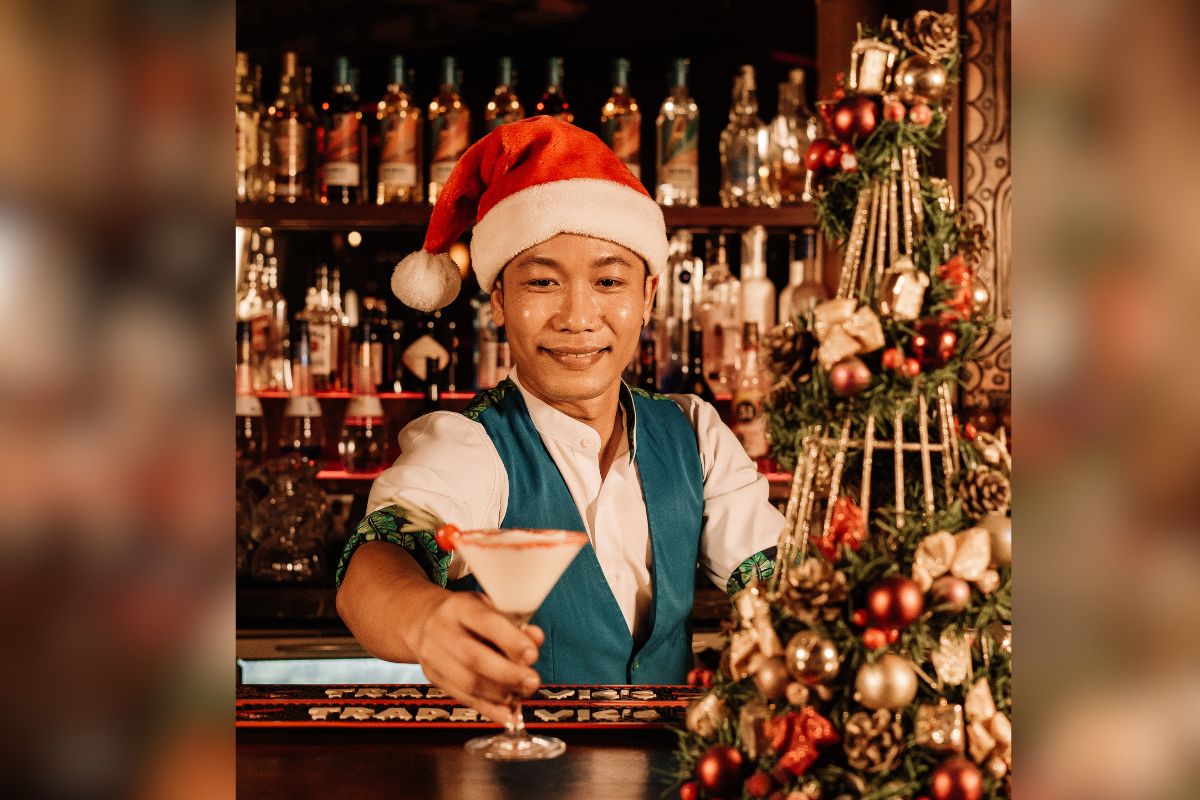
x: 587, y: 640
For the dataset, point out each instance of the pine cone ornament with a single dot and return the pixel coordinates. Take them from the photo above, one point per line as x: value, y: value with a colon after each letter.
x: 815, y: 590
x: 787, y: 352
x: 873, y: 741
x: 931, y: 34
x: 985, y: 491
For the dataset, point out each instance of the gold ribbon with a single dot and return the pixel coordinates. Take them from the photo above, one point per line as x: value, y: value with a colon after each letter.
x: 845, y: 329
x: 965, y: 555
x: 989, y: 732
x: 755, y: 639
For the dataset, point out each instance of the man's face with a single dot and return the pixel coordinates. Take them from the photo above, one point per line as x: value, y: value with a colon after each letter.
x: 573, y: 307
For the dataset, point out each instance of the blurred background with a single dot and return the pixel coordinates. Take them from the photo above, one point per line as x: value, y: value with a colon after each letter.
x: 116, y: 557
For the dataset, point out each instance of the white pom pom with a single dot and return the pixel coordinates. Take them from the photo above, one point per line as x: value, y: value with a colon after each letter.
x: 426, y: 281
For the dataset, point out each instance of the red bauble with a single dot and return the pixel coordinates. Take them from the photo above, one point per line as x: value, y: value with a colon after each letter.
x: 874, y: 638
x: 847, y: 160
x: 719, y: 770
x: 859, y: 617
x: 814, y: 157
x: 760, y: 784
x: 832, y: 158
x: 956, y: 778
x: 689, y: 791
x: 849, y: 376
x: 951, y: 594
x: 934, y: 343
x: 895, y: 602
x: 855, y: 118
x: 893, y: 358
x: 894, y: 111
x: 984, y: 419
x: 893, y: 636
x: 838, y: 93
x: 912, y: 367
x: 920, y: 115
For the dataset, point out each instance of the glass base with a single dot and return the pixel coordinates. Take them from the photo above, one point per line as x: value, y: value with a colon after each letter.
x: 517, y: 747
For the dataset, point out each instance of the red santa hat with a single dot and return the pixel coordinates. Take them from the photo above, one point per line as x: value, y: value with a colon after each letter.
x: 522, y: 184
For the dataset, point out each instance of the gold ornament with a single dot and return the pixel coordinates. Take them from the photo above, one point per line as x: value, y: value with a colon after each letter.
x: 771, y: 678
x: 931, y: 34
x: 999, y: 527
x: 972, y: 553
x: 981, y: 298
x: 918, y: 78
x: 989, y: 732
x: 873, y: 742
x: 952, y: 657
x: 706, y: 714
x: 845, y: 329
x: 755, y: 639
x: 965, y: 555
x: 871, y: 63
x: 890, y: 683
x: 933, y: 558
x: 902, y: 290
x: 815, y: 590
x: 940, y: 727
x: 811, y: 658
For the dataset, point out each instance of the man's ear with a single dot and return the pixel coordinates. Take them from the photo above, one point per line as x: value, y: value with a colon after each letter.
x: 497, y: 296
x: 648, y: 305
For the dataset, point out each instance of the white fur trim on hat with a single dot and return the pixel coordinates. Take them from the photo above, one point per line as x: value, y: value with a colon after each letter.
x: 594, y: 207
x: 426, y: 281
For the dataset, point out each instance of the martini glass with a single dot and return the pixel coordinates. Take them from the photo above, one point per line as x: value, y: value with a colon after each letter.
x: 517, y: 568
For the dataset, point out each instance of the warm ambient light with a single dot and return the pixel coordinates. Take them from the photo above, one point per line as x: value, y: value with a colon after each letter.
x: 354, y: 238
x: 462, y: 256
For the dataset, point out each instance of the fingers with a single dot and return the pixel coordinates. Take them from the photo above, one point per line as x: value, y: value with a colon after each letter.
x: 493, y: 627
x: 537, y: 634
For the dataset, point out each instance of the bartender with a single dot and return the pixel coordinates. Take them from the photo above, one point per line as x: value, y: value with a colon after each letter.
x: 571, y: 246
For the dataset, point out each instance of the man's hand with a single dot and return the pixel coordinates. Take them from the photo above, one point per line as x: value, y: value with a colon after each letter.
x: 476, y: 655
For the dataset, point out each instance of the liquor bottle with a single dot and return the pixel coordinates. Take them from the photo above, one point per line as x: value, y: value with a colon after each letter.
x: 678, y: 133
x: 505, y: 106
x: 340, y: 373
x: 621, y: 121
x: 303, y: 431
x: 252, y: 309
x: 685, y: 280
x: 449, y: 129
x: 749, y: 421
x: 340, y: 140
x: 278, y: 371
x: 322, y: 323
x: 292, y: 121
x: 374, y: 314
x: 251, y: 437
x: 487, y: 337
x: 432, y: 392
x: 693, y: 381
x: 364, y: 441
x: 719, y: 318
x: 758, y: 292
x: 398, y: 120
x: 247, y: 119
x: 425, y: 344
x: 805, y: 288
x: 744, y: 172
x: 553, y: 103
x: 648, y: 366
x: 791, y: 132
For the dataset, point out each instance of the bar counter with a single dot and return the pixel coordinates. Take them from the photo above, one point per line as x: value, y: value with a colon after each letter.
x: 400, y: 742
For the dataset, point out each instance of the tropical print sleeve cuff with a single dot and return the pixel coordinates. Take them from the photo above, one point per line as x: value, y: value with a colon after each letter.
x: 757, y: 567
x: 390, y: 524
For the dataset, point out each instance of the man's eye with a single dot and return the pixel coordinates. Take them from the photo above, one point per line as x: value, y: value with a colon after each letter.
x: 540, y: 283
x: 611, y: 283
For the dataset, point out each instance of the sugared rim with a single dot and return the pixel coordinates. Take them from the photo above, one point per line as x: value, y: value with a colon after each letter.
x: 501, y: 537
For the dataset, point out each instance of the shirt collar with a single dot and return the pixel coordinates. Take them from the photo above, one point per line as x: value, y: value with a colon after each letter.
x: 569, y: 431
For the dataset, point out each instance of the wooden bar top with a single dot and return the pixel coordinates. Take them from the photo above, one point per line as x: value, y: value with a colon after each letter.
x: 412, y: 764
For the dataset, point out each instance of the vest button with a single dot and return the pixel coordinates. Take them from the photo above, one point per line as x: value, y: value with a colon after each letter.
x: 636, y: 665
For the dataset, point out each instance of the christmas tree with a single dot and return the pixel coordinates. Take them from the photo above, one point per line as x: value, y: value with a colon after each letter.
x: 875, y: 659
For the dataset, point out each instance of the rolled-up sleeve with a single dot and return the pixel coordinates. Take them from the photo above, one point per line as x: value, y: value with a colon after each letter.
x: 447, y: 466
x: 741, y: 527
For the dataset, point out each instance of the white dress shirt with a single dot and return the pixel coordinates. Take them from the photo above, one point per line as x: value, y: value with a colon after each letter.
x: 449, y: 465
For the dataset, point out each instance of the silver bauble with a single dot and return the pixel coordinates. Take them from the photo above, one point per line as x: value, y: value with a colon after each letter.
x: 811, y: 658
x: 918, y: 78
x: 889, y: 683
x: 999, y: 527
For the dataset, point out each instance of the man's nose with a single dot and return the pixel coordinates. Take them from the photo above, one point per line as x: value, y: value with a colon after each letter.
x: 580, y: 310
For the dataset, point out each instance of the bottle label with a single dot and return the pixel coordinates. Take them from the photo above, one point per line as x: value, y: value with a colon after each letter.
x: 623, y: 135
x: 320, y: 343
x: 364, y: 406
x: 247, y: 141
x: 398, y: 154
x: 422, y: 348
x: 376, y: 363
x: 291, y: 148
x: 750, y: 424
x: 743, y: 171
x: 247, y: 405
x: 451, y: 137
x: 680, y: 167
x: 342, y: 150
x: 302, y: 406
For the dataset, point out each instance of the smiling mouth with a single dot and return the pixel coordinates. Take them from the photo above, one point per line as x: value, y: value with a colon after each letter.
x: 575, y: 356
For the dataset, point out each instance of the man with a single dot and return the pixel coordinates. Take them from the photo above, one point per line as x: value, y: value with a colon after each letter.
x: 571, y: 246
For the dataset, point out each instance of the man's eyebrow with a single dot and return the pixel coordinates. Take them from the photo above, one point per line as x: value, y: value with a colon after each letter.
x: 538, y: 261
x: 611, y: 260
